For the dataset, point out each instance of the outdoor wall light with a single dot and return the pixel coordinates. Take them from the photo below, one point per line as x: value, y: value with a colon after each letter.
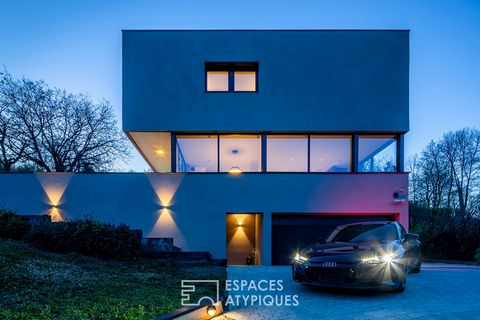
x: 399, y: 196
x: 211, y: 310
x: 235, y: 170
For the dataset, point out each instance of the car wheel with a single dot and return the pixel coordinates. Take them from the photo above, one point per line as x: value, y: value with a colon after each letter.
x: 400, y: 281
x: 417, y: 268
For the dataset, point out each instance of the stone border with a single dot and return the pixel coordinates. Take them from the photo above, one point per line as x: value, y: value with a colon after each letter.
x: 193, y: 313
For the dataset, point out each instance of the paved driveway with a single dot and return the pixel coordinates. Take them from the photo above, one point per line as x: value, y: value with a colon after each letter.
x: 438, y: 292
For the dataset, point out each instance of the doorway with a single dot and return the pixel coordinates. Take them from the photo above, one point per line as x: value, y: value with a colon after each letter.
x: 244, y: 232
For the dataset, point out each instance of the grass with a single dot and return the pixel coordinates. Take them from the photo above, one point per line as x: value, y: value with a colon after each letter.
x: 40, y: 285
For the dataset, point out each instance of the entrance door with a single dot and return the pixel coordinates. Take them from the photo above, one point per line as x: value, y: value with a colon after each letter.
x: 243, y: 238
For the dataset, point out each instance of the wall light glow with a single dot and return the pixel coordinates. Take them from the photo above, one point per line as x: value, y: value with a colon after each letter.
x: 165, y: 227
x: 54, y: 186
x: 165, y: 187
x: 55, y: 214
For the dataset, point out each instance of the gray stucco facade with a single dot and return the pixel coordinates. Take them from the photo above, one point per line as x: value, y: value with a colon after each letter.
x: 310, y: 80
x: 198, y: 203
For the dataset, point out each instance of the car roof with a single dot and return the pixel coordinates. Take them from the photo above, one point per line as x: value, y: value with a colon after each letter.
x: 343, y: 226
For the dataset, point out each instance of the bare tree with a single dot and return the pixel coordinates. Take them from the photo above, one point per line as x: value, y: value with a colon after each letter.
x: 61, y: 131
x: 462, y: 150
x: 11, y: 149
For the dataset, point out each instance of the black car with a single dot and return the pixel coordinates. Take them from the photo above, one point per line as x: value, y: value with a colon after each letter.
x: 370, y: 255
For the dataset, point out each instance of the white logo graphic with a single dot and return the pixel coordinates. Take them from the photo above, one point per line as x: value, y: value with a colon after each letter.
x: 190, y: 286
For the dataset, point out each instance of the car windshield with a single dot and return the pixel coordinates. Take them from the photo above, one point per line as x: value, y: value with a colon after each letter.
x: 365, y: 233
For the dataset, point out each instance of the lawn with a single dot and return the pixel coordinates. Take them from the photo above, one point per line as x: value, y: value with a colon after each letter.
x: 40, y: 285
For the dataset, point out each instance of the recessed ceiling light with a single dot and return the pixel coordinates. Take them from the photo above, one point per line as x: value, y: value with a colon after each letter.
x: 160, y: 151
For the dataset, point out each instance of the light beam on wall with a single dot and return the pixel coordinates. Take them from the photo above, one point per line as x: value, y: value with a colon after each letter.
x: 165, y: 187
x: 240, y: 237
x: 54, y: 186
x: 165, y: 227
x: 55, y: 214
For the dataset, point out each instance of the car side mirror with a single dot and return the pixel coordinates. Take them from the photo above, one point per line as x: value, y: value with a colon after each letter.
x: 412, y: 236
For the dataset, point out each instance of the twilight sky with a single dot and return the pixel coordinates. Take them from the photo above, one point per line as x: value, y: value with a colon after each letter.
x: 76, y: 45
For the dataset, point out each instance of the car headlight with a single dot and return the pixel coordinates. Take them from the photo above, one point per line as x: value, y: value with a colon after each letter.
x: 300, y: 258
x: 376, y: 259
x: 371, y: 260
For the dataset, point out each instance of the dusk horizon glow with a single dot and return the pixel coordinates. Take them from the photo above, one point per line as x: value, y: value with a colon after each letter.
x: 76, y: 46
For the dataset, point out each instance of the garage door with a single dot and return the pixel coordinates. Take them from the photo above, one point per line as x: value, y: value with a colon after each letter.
x: 291, y: 232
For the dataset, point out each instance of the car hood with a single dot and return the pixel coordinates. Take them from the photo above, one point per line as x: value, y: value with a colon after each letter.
x: 347, y: 251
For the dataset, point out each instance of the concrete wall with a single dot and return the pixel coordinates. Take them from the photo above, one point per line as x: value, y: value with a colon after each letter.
x: 191, y: 208
x: 323, y: 80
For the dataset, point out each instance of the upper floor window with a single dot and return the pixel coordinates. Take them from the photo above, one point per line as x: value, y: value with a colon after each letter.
x: 231, y: 77
x: 197, y: 153
x: 240, y: 153
x: 377, y: 153
x: 330, y: 153
x: 287, y: 153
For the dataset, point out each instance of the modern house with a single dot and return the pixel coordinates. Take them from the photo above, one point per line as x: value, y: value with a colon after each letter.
x: 261, y: 141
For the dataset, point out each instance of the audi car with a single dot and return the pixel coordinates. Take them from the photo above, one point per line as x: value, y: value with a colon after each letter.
x: 369, y: 255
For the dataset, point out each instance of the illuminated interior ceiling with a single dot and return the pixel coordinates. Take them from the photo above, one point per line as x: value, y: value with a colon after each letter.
x: 330, y: 153
x: 155, y: 148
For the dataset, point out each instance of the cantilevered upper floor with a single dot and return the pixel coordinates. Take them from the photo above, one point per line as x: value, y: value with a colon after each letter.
x: 262, y: 100
x: 306, y: 80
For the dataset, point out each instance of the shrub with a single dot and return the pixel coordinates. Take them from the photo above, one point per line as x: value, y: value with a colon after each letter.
x: 477, y: 255
x: 87, y: 237
x: 12, y: 226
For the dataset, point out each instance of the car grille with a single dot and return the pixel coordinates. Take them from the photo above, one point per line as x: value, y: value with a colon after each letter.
x: 344, y: 275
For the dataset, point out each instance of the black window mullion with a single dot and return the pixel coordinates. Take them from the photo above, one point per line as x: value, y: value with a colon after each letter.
x: 173, y: 152
x: 354, y: 155
x: 400, y: 165
x: 231, y: 81
x: 264, y: 152
x: 308, y: 153
x: 218, y: 153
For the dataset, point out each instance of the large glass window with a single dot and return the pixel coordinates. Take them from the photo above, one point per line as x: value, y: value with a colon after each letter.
x: 245, y: 81
x: 330, y: 153
x: 287, y: 153
x: 197, y: 153
x: 217, y: 80
x: 240, y: 153
x: 377, y: 153
x: 231, y: 76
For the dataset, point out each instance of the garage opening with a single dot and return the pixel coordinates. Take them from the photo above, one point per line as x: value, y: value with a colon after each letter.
x: 244, y: 232
x: 291, y: 232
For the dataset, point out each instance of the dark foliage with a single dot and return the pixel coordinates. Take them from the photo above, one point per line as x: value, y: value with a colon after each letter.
x: 12, y: 226
x: 87, y: 237
x: 443, y: 233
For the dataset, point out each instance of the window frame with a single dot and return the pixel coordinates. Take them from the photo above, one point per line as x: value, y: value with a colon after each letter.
x: 399, y: 136
x: 231, y: 68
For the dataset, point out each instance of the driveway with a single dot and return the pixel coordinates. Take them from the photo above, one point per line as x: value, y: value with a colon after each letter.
x: 439, y: 292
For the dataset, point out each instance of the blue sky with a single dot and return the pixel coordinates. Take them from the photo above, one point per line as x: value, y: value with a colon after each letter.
x: 76, y: 45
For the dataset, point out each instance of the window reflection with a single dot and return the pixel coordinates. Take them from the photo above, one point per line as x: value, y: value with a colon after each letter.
x: 377, y: 153
x: 197, y: 153
x: 330, y: 153
x: 245, y: 81
x: 287, y: 153
x: 241, y: 152
x: 217, y: 80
